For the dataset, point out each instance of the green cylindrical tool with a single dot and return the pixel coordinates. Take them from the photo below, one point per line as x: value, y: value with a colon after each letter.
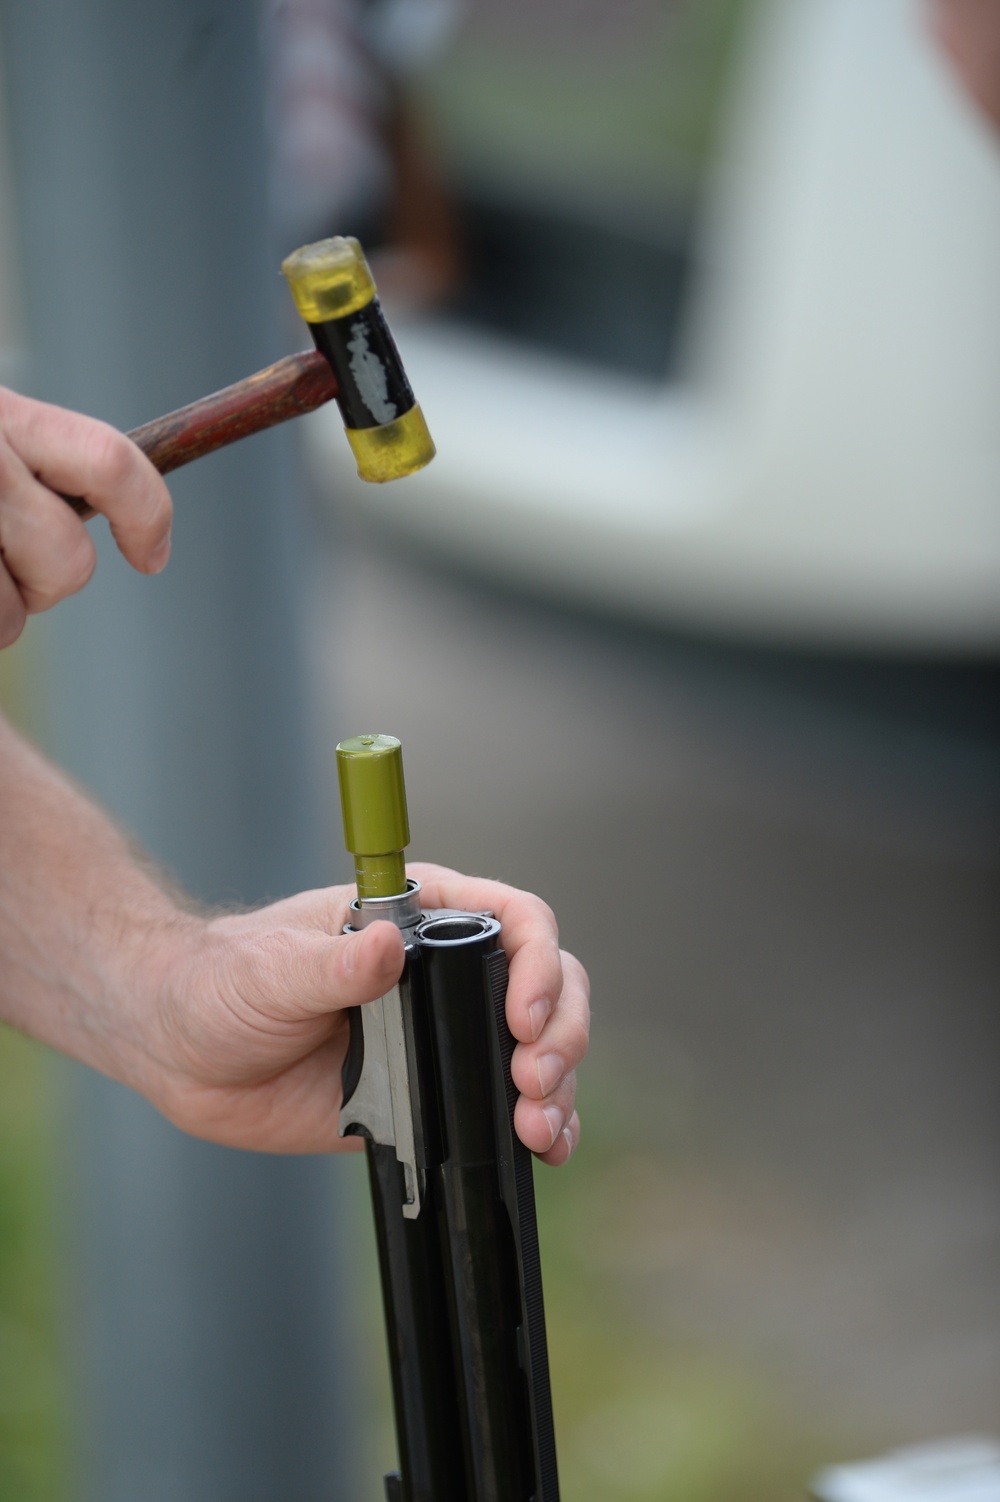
x: 373, y: 803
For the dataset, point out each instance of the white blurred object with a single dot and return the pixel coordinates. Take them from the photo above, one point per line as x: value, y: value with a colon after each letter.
x: 829, y: 471
x: 957, y: 1470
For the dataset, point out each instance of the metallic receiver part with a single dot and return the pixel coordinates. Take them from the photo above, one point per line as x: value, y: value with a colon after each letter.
x: 373, y: 804
x: 403, y: 908
x: 334, y: 291
x: 379, y: 1106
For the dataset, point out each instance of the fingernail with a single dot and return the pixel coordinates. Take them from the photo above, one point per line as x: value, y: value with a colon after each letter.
x: 158, y: 557
x: 570, y: 1144
x: 551, y: 1067
x: 353, y: 951
x: 538, y: 1014
x: 556, y: 1120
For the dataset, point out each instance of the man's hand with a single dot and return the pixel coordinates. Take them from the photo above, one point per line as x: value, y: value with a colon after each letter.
x: 249, y: 1031
x: 46, y: 552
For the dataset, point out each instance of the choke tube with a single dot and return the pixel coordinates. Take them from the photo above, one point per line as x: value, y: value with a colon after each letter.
x: 461, y: 1278
x: 373, y: 807
x: 335, y: 293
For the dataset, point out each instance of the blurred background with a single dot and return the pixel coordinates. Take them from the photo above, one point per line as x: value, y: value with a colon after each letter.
x: 692, y: 627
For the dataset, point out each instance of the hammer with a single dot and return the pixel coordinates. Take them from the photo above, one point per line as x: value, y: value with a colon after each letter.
x: 355, y: 361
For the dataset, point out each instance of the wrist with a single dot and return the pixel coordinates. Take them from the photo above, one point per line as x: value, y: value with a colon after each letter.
x: 136, y: 1029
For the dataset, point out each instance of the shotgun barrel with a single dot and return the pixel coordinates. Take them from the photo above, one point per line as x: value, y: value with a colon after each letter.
x: 427, y: 1083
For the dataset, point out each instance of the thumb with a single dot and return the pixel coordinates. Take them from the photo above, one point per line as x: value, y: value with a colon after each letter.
x: 292, y: 974
x: 370, y: 962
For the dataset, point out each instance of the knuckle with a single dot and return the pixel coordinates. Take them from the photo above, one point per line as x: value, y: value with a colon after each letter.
x: 111, y: 456
x: 522, y: 1071
x: 79, y: 563
x: 121, y: 470
x: 567, y: 1093
x: 576, y: 990
x: 577, y: 1037
x: 547, y: 917
x: 11, y: 469
x: 574, y: 970
x: 65, y: 569
x: 541, y: 912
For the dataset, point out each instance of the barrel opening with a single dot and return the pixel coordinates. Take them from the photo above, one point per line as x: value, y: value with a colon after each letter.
x: 447, y: 930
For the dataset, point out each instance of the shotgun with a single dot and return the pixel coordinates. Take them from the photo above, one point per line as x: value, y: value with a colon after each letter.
x: 427, y: 1083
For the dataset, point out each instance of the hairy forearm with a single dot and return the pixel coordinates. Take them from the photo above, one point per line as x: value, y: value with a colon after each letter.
x: 81, y: 920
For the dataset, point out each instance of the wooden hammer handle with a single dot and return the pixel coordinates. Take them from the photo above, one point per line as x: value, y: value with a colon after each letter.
x: 295, y: 385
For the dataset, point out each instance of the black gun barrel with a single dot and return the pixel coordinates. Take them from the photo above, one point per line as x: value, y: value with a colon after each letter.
x: 427, y: 1082
x: 488, y: 1202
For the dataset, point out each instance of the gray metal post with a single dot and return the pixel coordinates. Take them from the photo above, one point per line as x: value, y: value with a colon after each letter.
x: 210, y: 1331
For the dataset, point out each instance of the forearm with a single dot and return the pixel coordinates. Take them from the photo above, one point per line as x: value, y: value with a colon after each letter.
x: 81, y: 921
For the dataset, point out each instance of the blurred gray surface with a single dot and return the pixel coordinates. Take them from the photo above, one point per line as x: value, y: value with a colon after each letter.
x: 206, y: 1314
x: 784, y: 882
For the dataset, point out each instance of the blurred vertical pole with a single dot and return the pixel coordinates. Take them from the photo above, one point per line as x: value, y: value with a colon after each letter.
x: 208, y: 1329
